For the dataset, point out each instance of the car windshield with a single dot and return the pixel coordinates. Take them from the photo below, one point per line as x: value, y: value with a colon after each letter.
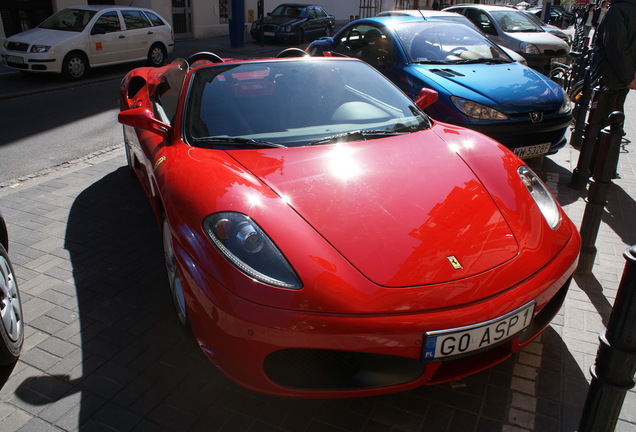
x: 290, y: 11
x: 74, y: 20
x: 447, y: 43
x: 294, y: 103
x: 513, y: 21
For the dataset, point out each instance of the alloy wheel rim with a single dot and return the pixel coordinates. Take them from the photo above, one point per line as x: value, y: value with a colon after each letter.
x: 76, y: 67
x: 157, y: 56
x: 173, y: 275
x: 10, y: 308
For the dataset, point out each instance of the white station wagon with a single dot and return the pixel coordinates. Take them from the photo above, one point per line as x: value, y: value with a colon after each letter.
x: 78, y: 38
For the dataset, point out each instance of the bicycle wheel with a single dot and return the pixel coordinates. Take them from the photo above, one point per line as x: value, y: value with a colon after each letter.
x: 560, y: 76
x: 576, y: 96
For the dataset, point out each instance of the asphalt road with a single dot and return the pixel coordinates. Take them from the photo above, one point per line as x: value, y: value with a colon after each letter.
x: 55, y: 124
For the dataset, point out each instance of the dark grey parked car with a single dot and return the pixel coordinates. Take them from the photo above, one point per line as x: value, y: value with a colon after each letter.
x: 12, y: 326
x: 295, y: 23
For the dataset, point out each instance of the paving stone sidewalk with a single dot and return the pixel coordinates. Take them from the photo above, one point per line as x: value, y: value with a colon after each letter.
x: 104, y: 352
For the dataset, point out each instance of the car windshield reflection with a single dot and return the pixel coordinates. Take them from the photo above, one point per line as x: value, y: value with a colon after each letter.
x: 292, y: 103
x: 74, y: 20
x: 445, y: 43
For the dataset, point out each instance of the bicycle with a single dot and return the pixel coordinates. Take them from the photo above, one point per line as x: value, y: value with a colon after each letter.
x: 570, y: 76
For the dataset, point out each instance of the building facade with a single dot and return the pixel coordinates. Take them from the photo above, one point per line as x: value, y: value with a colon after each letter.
x: 191, y: 18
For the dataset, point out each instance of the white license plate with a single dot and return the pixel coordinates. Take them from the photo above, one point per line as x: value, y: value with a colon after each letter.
x: 531, y: 151
x: 269, y: 33
x: 14, y: 59
x: 443, y: 344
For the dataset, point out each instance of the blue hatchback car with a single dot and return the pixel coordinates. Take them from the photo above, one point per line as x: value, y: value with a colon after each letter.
x: 479, y: 86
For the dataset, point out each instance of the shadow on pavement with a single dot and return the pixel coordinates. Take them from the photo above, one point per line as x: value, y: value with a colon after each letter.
x: 139, y: 370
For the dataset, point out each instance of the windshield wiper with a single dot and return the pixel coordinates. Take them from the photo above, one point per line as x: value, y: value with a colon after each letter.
x: 359, y: 135
x: 432, y: 62
x: 238, y: 142
x: 483, y: 60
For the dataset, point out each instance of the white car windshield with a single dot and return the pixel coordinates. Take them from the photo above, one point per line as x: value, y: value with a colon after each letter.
x: 74, y: 20
x: 515, y: 22
x: 283, y: 103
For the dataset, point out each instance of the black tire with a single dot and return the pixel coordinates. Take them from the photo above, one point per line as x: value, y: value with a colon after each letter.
x: 576, y: 96
x: 157, y: 55
x: 560, y: 76
x: 129, y: 161
x: 75, y: 66
x: 11, y: 323
x: 174, y: 279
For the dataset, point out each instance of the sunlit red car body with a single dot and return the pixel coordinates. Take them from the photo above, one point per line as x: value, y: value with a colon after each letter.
x: 391, y: 238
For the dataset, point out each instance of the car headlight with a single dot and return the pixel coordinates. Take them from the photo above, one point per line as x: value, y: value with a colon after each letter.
x: 477, y: 110
x: 250, y: 250
x: 566, y: 106
x: 255, y: 25
x: 6, y: 43
x: 287, y: 29
x: 40, y: 48
x: 529, y: 48
x: 544, y: 199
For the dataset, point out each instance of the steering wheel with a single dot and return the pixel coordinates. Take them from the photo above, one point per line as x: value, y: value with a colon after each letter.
x: 458, y: 50
x: 292, y: 52
x: 204, y: 56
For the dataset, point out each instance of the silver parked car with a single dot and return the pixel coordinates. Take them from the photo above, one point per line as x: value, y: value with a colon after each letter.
x: 511, y: 28
x: 78, y: 38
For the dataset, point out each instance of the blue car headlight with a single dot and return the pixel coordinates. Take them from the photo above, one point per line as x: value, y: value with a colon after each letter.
x: 566, y: 106
x: 539, y: 192
x: 477, y: 110
x: 250, y: 250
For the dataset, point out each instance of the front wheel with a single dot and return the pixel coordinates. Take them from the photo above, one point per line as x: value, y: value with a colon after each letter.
x: 176, y: 287
x: 12, y: 326
x: 74, y: 66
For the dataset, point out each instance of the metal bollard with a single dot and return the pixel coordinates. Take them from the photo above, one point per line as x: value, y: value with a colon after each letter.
x: 604, y: 170
x: 576, y: 138
x: 615, y: 366
x: 595, y: 120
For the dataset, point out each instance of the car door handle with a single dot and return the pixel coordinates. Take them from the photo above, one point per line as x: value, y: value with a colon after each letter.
x: 121, y: 36
x: 151, y: 32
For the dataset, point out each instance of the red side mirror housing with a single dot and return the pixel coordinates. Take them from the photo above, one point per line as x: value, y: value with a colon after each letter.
x: 143, y: 118
x: 426, y: 98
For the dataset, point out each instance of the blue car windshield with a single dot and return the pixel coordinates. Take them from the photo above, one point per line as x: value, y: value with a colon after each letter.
x: 74, y: 20
x: 438, y: 42
x: 285, y: 103
x: 513, y: 21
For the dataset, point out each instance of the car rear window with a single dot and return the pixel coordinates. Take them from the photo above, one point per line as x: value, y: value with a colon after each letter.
x: 154, y: 19
x: 135, y: 19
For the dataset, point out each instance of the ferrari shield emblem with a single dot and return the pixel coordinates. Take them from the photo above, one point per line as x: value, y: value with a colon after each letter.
x: 454, y: 262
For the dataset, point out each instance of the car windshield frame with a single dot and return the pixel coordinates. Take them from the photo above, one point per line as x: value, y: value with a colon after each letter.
x: 440, y: 42
x: 293, y: 103
x: 69, y: 19
x: 514, y: 21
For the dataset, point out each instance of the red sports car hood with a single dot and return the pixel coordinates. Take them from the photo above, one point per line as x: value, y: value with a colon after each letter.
x: 400, y: 218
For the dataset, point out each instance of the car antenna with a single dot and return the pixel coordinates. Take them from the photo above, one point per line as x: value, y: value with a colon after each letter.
x: 421, y: 13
